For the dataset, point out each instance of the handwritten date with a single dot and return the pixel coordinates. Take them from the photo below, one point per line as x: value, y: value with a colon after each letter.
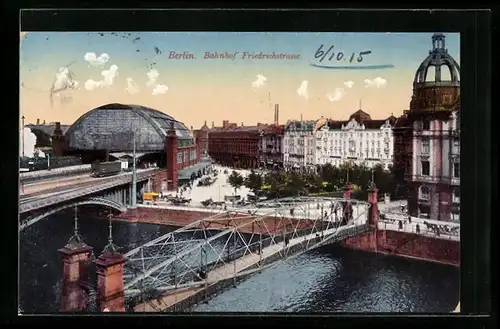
x: 322, y: 54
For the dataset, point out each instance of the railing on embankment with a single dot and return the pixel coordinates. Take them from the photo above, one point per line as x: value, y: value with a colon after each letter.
x: 203, y: 290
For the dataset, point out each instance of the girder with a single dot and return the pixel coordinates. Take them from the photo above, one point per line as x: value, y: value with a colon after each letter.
x: 68, y: 194
x: 179, y: 258
x: 89, y: 201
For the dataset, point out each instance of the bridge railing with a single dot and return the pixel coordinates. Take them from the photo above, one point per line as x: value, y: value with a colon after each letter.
x: 445, y: 230
x: 98, y: 187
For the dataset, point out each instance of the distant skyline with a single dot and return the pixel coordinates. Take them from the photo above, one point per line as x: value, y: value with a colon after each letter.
x: 217, y: 76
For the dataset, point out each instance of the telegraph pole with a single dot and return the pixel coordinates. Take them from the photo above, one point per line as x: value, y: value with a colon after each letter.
x: 22, y: 135
x: 133, y: 201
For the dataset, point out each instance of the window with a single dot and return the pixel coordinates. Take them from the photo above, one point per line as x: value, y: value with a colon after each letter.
x: 426, y: 125
x: 179, y: 158
x: 456, y: 170
x: 424, y: 193
x: 456, y: 195
x: 426, y: 170
x: 426, y: 147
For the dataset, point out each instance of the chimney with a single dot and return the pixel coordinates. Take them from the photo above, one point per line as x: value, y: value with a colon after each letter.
x: 225, y: 123
x: 58, y: 126
x: 213, y: 124
x: 276, y: 114
x: 43, y: 121
x: 37, y: 122
x: 301, y: 117
x: 242, y: 123
x: 191, y: 128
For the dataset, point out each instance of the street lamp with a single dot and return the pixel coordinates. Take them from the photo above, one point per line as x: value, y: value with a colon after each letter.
x: 133, y: 202
x: 22, y: 135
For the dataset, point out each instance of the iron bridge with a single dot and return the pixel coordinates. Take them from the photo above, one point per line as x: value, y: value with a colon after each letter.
x: 236, y: 243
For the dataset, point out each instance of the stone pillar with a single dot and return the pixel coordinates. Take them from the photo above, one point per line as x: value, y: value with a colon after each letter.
x: 171, y: 150
x: 76, y: 257
x: 110, y: 291
x: 348, y: 191
x: 445, y: 202
x: 58, y: 142
x: 373, y: 201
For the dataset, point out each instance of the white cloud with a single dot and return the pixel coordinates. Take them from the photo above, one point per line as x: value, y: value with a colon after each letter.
x: 107, y: 80
x: 93, y: 60
x: 64, y: 80
x: 378, y: 82
x: 260, y: 81
x: 349, y: 84
x: 160, y: 89
x: 302, y: 91
x: 153, y: 75
x: 132, y: 86
x: 337, y: 95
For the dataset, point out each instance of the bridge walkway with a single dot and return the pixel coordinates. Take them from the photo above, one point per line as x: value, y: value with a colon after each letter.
x: 250, y: 263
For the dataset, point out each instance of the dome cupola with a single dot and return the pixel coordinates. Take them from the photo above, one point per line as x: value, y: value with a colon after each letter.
x: 439, y: 91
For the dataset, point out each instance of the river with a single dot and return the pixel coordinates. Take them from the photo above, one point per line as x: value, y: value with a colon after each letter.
x: 328, y: 279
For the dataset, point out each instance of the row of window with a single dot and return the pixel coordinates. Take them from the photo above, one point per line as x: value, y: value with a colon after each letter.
x: 336, y: 134
x: 424, y: 193
x: 186, y: 156
x: 426, y: 169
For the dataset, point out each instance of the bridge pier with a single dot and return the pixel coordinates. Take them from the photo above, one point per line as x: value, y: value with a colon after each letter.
x: 110, y: 288
x: 76, y: 256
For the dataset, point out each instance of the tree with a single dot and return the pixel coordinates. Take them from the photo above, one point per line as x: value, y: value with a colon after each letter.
x: 253, y: 181
x: 235, y: 180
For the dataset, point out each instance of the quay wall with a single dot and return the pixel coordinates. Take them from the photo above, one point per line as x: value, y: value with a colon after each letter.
x: 410, y: 245
x: 181, y: 218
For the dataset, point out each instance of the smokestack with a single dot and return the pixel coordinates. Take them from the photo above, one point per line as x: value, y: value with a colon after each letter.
x: 276, y: 114
x: 37, y: 122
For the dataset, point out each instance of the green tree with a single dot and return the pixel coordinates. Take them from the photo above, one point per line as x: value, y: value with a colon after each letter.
x: 254, y: 181
x: 235, y: 180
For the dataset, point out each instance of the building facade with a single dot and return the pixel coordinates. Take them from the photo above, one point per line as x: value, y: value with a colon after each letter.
x: 271, y: 154
x: 360, y: 140
x: 299, y: 145
x: 433, y: 176
x: 236, y: 146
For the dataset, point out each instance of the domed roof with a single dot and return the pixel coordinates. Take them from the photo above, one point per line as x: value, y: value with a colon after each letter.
x: 438, y: 58
x: 360, y: 116
x: 204, y: 127
x: 111, y: 127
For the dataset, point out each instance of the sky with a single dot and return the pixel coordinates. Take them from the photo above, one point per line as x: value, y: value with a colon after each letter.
x: 66, y: 74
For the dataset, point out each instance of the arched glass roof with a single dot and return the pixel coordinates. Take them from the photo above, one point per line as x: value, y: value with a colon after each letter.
x: 111, y: 127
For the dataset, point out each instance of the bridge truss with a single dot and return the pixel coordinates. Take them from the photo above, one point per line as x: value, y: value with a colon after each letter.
x: 208, y: 250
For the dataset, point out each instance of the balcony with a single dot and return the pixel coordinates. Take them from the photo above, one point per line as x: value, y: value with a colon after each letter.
x: 421, y: 178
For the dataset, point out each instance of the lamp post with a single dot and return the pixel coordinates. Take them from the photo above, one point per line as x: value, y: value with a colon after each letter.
x: 133, y: 202
x: 22, y: 135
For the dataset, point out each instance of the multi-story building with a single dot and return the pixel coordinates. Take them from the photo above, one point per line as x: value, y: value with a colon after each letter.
x: 235, y: 146
x: 247, y: 146
x: 271, y: 155
x: 359, y: 139
x: 202, y: 134
x: 298, y: 145
x: 433, y: 178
